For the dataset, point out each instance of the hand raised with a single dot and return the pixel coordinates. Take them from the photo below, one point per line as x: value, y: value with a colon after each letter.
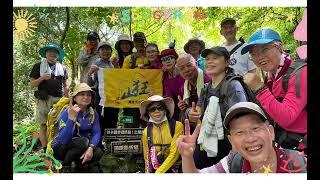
x: 194, y: 115
x: 186, y: 143
x: 181, y: 104
x: 252, y: 79
x: 46, y: 76
x: 93, y: 69
x: 73, y: 112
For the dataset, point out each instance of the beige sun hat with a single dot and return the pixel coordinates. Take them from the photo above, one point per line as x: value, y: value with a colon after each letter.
x: 82, y: 87
x: 243, y: 107
x: 104, y: 43
x: 168, y: 101
x: 123, y: 37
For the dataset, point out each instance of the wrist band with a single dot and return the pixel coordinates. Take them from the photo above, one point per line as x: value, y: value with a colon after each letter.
x: 258, y: 91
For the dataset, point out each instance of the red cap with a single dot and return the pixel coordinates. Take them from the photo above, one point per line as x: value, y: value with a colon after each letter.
x: 168, y: 52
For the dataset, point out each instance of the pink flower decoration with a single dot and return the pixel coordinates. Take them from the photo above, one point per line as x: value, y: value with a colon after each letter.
x: 302, y: 51
x: 300, y: 33
x: 48, y: 163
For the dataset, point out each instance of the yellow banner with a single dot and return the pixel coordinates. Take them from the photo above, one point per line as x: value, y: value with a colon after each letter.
x: 126, y: 88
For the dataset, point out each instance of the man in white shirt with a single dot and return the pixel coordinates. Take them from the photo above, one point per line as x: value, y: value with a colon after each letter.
x: 240, y: 63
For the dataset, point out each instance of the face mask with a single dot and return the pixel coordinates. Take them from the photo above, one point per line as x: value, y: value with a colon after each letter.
x: 164, y: 118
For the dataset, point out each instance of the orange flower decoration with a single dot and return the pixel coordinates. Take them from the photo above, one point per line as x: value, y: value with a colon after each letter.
x: 36, y: 135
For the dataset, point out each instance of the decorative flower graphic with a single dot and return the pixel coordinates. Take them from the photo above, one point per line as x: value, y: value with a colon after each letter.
x: 300, y: 34
x: 23, y: 25
x: 40, y: 163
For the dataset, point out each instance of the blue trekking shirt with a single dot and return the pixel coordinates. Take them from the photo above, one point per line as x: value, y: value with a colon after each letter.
x: 67, y: 129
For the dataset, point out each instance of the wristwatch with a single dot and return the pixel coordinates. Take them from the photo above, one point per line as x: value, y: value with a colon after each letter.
x: 92, y: 146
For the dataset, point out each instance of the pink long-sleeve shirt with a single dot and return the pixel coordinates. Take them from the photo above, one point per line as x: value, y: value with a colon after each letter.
x: 290, y: 114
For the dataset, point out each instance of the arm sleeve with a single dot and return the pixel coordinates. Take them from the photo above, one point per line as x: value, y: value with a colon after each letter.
x: 96, y: 131
x: 35, y: 72
x: 174, y: 154
x: 145, y: 149
x: 83, y: 58
x: 235, y: 93
x: 126, y: 62
x: 66, y: 75
x: 65, y: 128
x: 223, y: 166
x: 285, y: 113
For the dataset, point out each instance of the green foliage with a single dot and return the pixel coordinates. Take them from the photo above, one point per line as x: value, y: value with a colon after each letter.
x: 51, y: 25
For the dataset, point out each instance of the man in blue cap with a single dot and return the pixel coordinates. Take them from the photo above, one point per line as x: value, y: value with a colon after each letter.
x: 89, y: 54
x: 283, y: 94
x: 50, y: 77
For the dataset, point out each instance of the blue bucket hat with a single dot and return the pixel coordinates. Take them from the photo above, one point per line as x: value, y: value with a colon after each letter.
x: 60, y: 51
x: 263, y: 36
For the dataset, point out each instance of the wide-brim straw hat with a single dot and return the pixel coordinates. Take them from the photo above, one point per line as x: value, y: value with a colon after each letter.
x: 82, y: 87
x: 168, y: 102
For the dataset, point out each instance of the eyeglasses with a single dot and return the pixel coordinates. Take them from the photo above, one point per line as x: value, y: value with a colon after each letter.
x: 261, y: 53
x: 157, y: 107
x: 240, y: 133
x: 168, y: 58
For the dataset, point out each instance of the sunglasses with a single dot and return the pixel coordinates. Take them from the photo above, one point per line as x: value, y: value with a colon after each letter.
x: 158, y: 107
x: 168, y: 58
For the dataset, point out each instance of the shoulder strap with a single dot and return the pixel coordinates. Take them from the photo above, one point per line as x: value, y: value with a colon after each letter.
x: 293, y: 68
x: 297, y: 158
x: 205, y: 94
x: 172, y: 126
x: 235, y: 48
x: 236, y: 163
x: 224, y: 87
x: 134, y: 57
x: 149, y: 134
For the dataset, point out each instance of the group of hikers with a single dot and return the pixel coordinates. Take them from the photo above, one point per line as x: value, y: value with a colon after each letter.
x: 216, y: 114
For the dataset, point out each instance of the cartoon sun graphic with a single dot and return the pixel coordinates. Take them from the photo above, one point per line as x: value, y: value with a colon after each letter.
x: 23, y: 25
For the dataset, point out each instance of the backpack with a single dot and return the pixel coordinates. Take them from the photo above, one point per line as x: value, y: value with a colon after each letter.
x: 224, y: 88
x: 53, y: 117
x: 172, y: 126
x: 237, y: 162
x: 294, y: 68
x: 52, y: 122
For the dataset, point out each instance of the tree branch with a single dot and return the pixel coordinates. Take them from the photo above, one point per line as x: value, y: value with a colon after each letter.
x: 63, y: 37
x: 157, y: 28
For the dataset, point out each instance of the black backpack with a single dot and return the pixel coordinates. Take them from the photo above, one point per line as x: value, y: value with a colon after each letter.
x: 224, y: 88
x: 172, y: 126
x: 237, y: 162
x: 294, y: 68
